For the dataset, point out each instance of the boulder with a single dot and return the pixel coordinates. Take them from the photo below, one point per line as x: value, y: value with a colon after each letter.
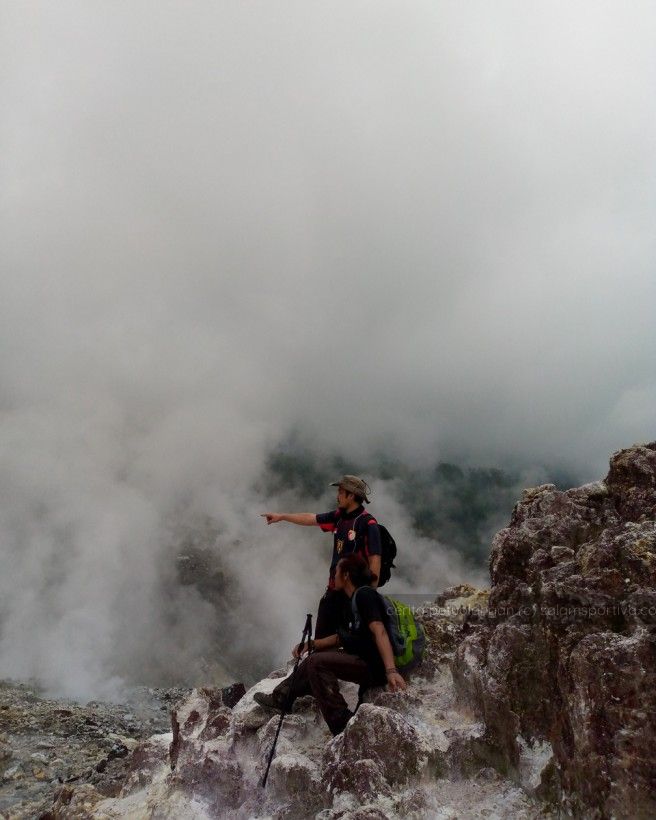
x: 202, y: 756
x: 203, y: 716
x: 212, y: 774
x: 294, y: 780
x: 370, y: 735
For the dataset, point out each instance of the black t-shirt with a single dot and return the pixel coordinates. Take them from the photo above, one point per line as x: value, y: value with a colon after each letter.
x: 356, y: 531
x: 360, y: 639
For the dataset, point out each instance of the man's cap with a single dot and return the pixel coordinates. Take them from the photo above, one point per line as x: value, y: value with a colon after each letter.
x: 355, y: 485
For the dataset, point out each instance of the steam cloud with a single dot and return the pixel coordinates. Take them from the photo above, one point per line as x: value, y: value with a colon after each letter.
x: 420, y: 229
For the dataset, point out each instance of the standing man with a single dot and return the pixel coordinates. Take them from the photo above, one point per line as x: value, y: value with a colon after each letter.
x: 355, y: 531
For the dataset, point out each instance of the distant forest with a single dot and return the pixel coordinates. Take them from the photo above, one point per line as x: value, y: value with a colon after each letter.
x: 459, y: 506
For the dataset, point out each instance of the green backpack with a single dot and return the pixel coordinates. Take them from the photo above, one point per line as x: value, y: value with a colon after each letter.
x: 407, y: 637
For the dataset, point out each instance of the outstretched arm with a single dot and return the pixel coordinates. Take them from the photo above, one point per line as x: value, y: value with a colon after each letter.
x: 304, y: 519
x: 394, y: 679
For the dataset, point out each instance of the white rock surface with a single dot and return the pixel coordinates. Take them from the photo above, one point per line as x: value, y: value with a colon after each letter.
x: 397, y: 758
x: 403, y: 755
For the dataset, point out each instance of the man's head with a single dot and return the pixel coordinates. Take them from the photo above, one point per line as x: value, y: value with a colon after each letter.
x: 351, y: 492
x: 353, y: 572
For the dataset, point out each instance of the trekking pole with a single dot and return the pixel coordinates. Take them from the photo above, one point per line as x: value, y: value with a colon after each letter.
x: 307, y: 631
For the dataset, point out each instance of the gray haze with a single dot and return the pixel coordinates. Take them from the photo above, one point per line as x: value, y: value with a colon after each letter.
x: 426, y: 228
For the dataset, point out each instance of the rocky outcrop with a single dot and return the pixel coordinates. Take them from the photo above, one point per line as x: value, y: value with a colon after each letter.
x: 402, y: 755
x: 565, y: 658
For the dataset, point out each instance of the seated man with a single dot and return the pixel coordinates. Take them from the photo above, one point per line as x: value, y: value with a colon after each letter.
x: 367, y: 659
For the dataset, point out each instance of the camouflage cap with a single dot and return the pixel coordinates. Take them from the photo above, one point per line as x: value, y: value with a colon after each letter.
x: 353, y: 484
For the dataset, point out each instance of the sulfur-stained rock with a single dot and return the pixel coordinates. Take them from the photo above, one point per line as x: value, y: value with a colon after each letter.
x: 146, y: 758
x: 217, y: 724
x: 203, y: 716
x: 188, y: 722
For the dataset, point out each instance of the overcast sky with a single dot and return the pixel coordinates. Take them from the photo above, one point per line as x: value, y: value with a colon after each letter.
x: 425, y: 226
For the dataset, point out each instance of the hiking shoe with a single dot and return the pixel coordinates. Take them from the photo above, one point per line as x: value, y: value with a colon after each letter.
x: 272, y: 701
x: 337, y: 726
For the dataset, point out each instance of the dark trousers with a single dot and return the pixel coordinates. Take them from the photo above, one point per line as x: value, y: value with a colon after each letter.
x: 334, y: 613
x: 319, y: 675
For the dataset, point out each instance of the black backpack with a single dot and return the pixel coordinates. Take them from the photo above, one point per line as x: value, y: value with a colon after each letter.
x: 387, y: 552
x: 387, y: 555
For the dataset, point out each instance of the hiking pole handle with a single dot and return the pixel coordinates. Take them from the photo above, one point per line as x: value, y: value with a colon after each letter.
x: 307, y: 631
